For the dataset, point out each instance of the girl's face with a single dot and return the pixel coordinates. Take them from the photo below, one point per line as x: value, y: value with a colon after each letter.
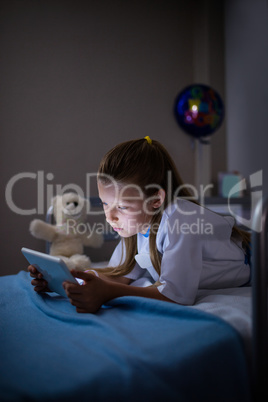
x: 126, y: 208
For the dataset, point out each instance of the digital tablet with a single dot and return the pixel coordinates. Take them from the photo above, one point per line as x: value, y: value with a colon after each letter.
x: 53, y: 269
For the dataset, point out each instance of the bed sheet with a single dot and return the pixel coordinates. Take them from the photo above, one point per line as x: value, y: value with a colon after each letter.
x: 133, y: 349
x: 234, y: 306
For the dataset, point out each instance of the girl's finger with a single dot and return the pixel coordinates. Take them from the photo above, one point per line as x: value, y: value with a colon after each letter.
x: 41, y: 289
x: 81, y: 310
x: 87, y: 276
x: 76, y: 303
x: 38, y: 282
x: 31, y: 268
x: 77, y: 298
x: 71, y: 288
x: 37, y: 275
x: 38, y: 288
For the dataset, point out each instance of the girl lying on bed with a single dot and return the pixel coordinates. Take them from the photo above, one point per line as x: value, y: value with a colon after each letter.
x: 168, y: 240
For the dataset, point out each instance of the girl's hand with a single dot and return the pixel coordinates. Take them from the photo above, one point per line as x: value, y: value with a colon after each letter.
x: 39, y: 283
x: 90, y: 296
x: 96, y: 291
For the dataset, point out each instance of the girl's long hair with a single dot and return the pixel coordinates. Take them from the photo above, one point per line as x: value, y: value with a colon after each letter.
x: 149, y: 166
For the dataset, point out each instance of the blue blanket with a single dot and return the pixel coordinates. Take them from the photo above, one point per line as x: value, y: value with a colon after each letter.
x: 133, y: 349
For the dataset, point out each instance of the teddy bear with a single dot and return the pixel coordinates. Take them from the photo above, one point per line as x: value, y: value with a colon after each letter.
x: 70, y: 233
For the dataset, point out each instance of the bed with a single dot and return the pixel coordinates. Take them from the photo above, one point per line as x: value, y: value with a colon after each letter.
x: 135, y: 349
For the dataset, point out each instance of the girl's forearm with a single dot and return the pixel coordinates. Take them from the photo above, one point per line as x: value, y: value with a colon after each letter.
x: 119, y: 290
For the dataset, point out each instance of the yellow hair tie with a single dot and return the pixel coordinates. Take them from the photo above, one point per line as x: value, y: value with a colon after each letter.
x: 148, y: 139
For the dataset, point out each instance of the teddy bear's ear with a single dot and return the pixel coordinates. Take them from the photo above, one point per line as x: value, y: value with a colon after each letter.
x: 86, y: 204
x: 55, y: 201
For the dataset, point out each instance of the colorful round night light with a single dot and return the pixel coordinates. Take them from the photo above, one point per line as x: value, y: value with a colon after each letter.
x: 199, y: 110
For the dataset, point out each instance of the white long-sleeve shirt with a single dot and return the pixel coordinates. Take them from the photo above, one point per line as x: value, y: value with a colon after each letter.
x: 197, y: 253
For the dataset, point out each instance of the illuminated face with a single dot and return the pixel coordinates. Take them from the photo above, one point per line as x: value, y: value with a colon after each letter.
x: 126, y: 208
